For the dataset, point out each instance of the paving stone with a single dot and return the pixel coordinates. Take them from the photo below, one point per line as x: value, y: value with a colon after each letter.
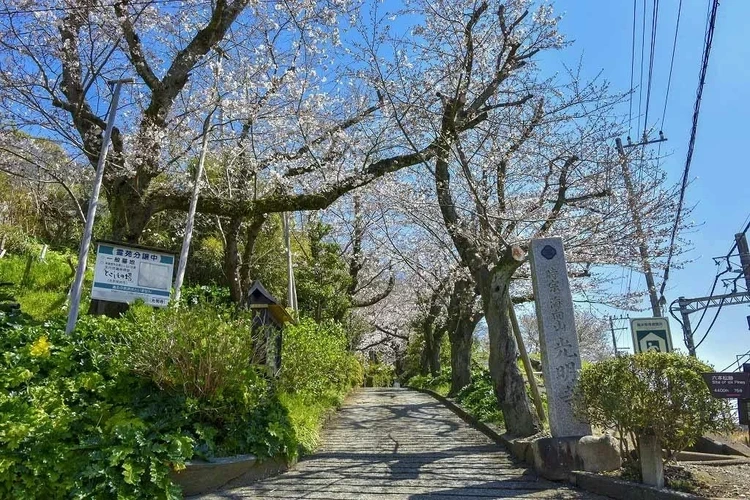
x: 396, y: 444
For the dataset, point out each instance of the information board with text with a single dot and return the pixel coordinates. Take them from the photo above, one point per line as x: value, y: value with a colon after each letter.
x: 125, y: 274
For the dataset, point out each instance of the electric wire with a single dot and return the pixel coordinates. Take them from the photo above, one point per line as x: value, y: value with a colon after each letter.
x: 691, y: 143
x: 713, y: 321
x: 38, y: 10
x: 640, y: 79
x: 713, y: 288
x: 632, y: 72
x: 721, y: 303
x: 652, y: 50
x: 739, y: 359
x: 671, y: 65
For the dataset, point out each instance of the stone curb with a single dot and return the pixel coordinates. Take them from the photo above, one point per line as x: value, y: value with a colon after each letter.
x: 200, y: 477
x: 625, y: 490
x: 594, y: 483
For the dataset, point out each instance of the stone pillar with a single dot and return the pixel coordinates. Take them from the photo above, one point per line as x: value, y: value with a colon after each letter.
x: 561, y: 358
x: 652, y: 465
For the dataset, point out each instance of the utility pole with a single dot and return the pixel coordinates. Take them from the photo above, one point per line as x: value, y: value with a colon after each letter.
x: 291, y: 284
x: 638, y: 223
x: 687, y: 330
x: 191, y: 210
x: 614, y: 335
x: 83, y: 252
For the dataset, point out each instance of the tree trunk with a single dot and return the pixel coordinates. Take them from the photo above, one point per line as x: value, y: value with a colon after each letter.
x: 461, y: 324
x: 424, y: 361
x: 232, y: 260
x: 129, y: 215
x: 254, y: 227
x: 510, y: 389
x: 434, y: 353
x: 461, y: 341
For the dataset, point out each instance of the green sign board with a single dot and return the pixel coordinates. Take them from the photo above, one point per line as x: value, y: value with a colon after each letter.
x: 651, y: 334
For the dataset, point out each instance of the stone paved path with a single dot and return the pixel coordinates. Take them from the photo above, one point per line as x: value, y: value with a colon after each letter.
x: 400, y: 444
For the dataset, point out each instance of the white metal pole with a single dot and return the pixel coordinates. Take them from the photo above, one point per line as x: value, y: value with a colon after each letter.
x: 191, y: 211
x: 291, y: 295
x: 83, y: 253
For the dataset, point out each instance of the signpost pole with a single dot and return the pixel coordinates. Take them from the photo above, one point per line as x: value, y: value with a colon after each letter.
x: 75, y: 291
x: 191, y: 210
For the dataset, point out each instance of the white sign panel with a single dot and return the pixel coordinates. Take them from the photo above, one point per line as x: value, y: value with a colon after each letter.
x: 651, y: 334
x: 124, y: 274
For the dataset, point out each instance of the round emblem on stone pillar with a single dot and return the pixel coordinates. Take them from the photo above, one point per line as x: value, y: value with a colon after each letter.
x: 548, y: 252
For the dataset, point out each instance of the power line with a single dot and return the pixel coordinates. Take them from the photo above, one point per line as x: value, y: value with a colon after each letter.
x: 632, y: 72
x: 737, y: 361
x: 713, y: 321
x: 640, y: 82
x: 654, y: 26
x: 693, y: 132
x: 671, y: 64
x: 36, y: 10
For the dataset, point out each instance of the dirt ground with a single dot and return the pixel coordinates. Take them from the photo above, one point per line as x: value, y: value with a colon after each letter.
x: 723, y: 481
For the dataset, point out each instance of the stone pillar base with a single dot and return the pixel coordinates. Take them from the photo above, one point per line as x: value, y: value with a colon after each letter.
x: 556, y: 458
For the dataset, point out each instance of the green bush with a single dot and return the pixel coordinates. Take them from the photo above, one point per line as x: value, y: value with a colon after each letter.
x: 479, y: 398
x: 379, y: 375
x: 17, y: 241
x: 199, y: 351
x: 651, y: 394
x: 440, y: 384
x: 315, y: 360
x: 77, y: 421
x: 72, y: 426
x: 41, y: 287
x: 111, y: 409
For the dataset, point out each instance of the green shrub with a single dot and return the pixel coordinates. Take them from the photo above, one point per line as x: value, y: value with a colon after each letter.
x: 315, y: 360
x: 440, y: 384
x: 17, y: 241
x: 199, y: 351
x: 41, y: 287
x: 479, y: 398
x: 208, y: 294
x: 72, y: 426
x: 379, y: 375
x: 111, y: 409
x: 651, y: 394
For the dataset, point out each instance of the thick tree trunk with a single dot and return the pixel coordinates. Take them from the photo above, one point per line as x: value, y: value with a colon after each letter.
x: 424, y: 361
x: 254, y: 227
x: 510, y: 389
x: 232, y: 260
x: 129, y: 215
x: 461, y: 341
x: 434, y: 353
x: 461, y: 324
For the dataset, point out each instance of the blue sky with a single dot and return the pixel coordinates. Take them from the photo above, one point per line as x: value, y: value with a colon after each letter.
x: 601, y: 31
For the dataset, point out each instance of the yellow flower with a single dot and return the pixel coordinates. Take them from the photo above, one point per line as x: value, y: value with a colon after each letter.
x: 40, y: 348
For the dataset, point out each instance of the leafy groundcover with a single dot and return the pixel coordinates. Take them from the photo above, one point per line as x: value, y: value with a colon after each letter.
x: 85, y: 415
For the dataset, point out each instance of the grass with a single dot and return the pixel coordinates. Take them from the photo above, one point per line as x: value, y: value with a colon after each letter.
x: 308, y: 416
x: 41, y: 287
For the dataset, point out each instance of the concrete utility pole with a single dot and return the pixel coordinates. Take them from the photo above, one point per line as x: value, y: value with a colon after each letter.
x: 83, y: 253
x: 638, y: 223
x: 614, y: 338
